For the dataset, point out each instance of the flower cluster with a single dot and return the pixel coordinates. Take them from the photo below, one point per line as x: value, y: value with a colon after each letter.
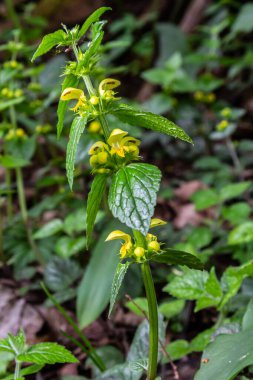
x: 105, y: 93
x: 43, y: 129
x: 130, y: 249
x: 16, y: 134
x: 8, y: 93
x: 201, y: 97
x: 13, y: 65
x: 119, y: 149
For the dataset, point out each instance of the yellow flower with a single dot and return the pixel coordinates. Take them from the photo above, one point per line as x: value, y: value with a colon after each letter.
x: 99, y: 146
x: 120, y: 144
x: 94, y: 100
x: 106, y: 88
x: 94, y: 127
x: 154, y: 246
x: 18, y: 93
x: 139, y: 252
x: 74, y: 93
x: 20, y: 133
x: 210, y: 98
x: 226, y: 112
x: 222, y: 125
x: 126, y: 248
x: 198, y: 95
x: 155, y: 222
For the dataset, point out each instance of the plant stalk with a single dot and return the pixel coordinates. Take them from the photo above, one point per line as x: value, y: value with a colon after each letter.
x: 9, y: 194
x: 141, y: 242
x: 24, y: 215
x: 152, y: 310
x: 17, y: 370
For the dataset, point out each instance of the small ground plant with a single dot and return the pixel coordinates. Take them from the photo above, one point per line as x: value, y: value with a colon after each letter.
x: 116, y: 164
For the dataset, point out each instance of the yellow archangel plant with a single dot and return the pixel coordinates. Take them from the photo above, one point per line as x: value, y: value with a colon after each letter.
x: 116, y: 164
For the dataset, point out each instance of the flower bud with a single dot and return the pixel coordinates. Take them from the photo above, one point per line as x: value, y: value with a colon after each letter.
x: 94, y: 127
x: 94, y: 100
x: 139, y: 252
x: 102, y: 158
x: 93, y: 160
x: 154, y: 246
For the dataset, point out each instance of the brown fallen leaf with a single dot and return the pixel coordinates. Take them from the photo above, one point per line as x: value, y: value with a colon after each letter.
x: 186, y: 214
x: 185, y: 191
x: 16, y: 313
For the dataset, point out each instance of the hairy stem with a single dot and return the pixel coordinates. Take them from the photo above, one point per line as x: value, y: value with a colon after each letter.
x: 92, y: 92
x: 152, y: 310
x: 17, y: 370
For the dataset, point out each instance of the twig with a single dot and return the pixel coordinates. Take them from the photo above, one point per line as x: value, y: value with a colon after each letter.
x: 163, y: 348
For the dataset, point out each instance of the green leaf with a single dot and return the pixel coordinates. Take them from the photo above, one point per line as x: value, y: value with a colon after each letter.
x: 94, y: 290
x: 17, y: 342
x: 212, y: 293
x: 117, y: 281
x: 75, y: 221
x: 121, y: 372
x: 59, y: 274
x: 237, y: 213
x: 172, y: 308
x: 68, y: 246
x: 94, y: 200
x: 49, y: 229
x: 110, y: 355
x: 69, y: 81
x: 141, y: 302
x: 8, y: 103
x: 47, y: 353
x: 48, y: 42
x: 227, y: 356
x: 140, y: 346
x: 132, y: 195
x: 12, y: 162
x: 181, y: 347
x: 149, y: 120
x: 26, y: 371
x: 200, y: 237
x: 77, y: 128
x: 241, y: 234
x: 232, y: 278
x: 178, y: 349
x: 5, y: 346
x: 91, y: 19
x: 189, y: 286
x: 97, y: 38
x: 244, y: 22
x: 205, y: 198
x: 247, y: 322
x: 174, y: 257
x: 200, y: 341
x: 233, y: 190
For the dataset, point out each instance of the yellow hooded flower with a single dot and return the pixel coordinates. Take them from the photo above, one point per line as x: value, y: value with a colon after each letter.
x: 74, y: 93
x: 120, y: 144
x: 106, y: 88
x: 107, y: 85
x: 155, y: 222
x: 99, y: 146
x: 126, y: 247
